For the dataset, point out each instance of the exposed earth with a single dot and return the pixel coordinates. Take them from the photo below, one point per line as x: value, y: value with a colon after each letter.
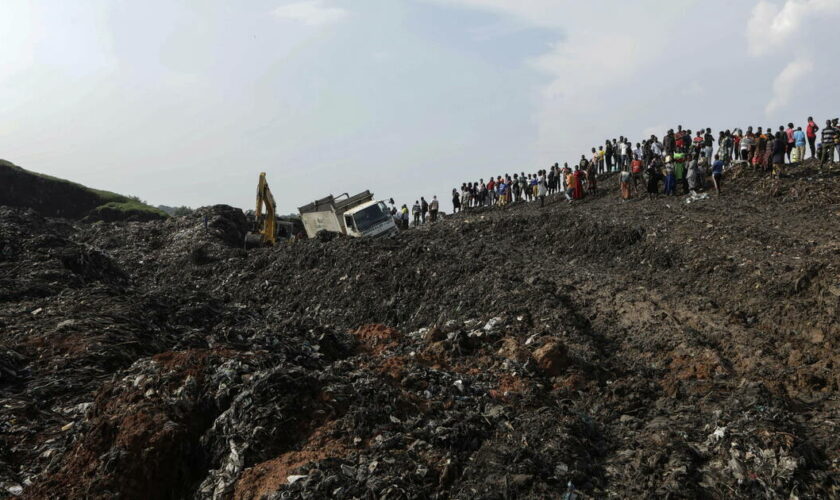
x: 606, y: 349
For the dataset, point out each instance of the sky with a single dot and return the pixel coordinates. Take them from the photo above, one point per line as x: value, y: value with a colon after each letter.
x: 185, y: 103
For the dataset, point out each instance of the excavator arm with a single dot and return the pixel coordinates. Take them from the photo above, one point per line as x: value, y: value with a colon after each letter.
x: 266, y: 219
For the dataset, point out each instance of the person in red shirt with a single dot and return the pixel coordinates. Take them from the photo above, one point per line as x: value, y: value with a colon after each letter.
x: 491, y: 191
x: 579, y: 175
x: 811, y: 134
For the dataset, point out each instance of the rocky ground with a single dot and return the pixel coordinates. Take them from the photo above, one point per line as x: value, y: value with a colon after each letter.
x: 606, y: 349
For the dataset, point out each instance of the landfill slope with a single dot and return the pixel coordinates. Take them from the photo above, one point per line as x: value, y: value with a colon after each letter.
x: 54, y: 197
x: 649, y: 348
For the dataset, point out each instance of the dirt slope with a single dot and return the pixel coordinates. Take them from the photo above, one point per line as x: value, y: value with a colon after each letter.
x: 614, y: 349
x: 53, y: 197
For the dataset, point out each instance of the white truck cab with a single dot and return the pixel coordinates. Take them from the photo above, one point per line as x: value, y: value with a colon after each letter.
x: 356, y: 216
x: 369, y: 219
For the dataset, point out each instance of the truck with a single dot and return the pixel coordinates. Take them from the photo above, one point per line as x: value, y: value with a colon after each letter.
x: 355, y: 216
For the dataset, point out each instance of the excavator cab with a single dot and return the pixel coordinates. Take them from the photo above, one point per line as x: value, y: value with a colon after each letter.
x: 265, y: 223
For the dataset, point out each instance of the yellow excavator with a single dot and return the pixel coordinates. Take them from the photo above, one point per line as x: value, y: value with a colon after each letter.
x: 266, y: 222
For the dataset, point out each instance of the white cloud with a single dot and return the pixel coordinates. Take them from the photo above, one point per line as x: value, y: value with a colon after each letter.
x: 771, y: 26
x: 784, y: 86
x: 784, y: 31
x: 310, y: 13
x: 594, y: 55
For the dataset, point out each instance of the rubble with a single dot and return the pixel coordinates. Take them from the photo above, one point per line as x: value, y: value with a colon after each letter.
x: 599, y: 350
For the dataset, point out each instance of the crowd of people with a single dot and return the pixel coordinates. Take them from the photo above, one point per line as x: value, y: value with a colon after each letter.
x: 682, y: 163
x: 421, y: 212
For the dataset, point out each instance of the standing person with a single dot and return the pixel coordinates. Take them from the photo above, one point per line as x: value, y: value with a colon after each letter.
x: 779, y: 151
x: 502, y: 187
x: 702, y: 170
x: 608, y: 155
x: 721, y: 144
x: 542, y: 189
x: 577, y: 182
x: 670, y: 188
x: 829, y: 139
x: 569, y: 183
x: 691, y: 174
x: 799, y: 140
x: 836, y: 126
x: 514, y: 187
x: 679, y: 172
x: 767, y: 161
x: 636, y: 172
x: 669, y: 143
x: 552, y: 179
x: 424, y: 209
x: 433, y: 209
x: 625, y: 153
x: 679, y: 139
x: 760, y: 148
x: 708, y: 143
x: 747, y: 145
x: 727, y: 147
x: 415, y: 210
x: 404, y: 217
x: 638, y: 153
x: 456, y: 201
x: 653, y: 177
x: 583, y: 166
x: 616, y: 155
x: 717, y: 173
x: 592, y: 176
x: 624, y: 184
x: 491, y: 190
x: 655, y: 147
x: 698, y: 143
x: 601, y: 155
x: 791, y: 143
x: 564, y: 173
x: 811, y: 133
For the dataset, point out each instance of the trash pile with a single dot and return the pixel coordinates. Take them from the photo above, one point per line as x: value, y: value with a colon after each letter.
x: 602, y: 349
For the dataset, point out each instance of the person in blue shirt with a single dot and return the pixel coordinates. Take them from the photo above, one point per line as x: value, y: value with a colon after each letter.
x: 717, y: 172
x: 799, y: 141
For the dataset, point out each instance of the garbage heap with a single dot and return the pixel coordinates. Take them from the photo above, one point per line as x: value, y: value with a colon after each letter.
x: 603, y: 349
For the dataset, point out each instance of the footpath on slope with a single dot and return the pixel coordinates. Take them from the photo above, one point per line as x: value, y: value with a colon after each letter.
x: 624, y: 349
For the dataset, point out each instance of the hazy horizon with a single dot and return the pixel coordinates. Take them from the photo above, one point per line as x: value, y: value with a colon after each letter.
x: 184, y: 103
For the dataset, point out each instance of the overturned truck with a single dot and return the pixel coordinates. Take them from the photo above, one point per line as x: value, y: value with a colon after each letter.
x: 356, y: 216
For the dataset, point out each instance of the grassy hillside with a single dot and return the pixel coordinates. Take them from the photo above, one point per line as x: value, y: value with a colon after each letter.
x: 56, y: 197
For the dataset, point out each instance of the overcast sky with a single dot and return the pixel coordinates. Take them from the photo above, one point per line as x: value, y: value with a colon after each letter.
x: 185, y: 102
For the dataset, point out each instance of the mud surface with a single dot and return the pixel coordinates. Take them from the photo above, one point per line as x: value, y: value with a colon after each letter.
x: 606, y: 349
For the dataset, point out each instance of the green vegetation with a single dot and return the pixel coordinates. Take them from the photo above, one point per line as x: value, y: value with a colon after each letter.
x: 176, y: 211
x: 131, y: 206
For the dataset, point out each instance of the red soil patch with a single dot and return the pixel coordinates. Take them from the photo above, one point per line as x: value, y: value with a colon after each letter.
x: 691, y: 367
x: 272, y: 475
x: 376, y: 339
